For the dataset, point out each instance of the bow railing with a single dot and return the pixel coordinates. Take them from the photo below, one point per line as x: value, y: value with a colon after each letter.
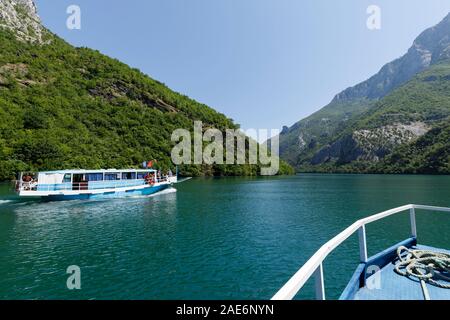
x: 314, y: 266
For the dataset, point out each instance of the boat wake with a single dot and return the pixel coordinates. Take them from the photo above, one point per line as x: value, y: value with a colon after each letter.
x: 184, y: 179
x: 37, y: 201
x: 159, y: 193
x: 16, y: 202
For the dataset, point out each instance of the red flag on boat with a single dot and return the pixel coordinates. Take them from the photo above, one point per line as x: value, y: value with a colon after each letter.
x: 150, y: 163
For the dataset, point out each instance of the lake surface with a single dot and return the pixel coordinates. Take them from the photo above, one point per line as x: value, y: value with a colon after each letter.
x: 227, y: 238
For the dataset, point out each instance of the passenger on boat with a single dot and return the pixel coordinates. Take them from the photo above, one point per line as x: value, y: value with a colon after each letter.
x: 28, y: 182
x: 149, y: 179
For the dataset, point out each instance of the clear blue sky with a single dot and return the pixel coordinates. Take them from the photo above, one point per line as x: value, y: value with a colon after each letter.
x: 264, y: 63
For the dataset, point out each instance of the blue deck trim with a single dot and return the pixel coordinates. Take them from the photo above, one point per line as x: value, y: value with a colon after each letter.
x: 93, y: 185
x: 113, y: 184
x: 54, y: 187
x: 358, y: 279
x: 108, y: 194
x: 354, y: 284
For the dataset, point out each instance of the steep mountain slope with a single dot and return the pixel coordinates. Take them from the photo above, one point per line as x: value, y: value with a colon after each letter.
x: 66, y: 107
x: 303, y: 141
x: 394, y: 123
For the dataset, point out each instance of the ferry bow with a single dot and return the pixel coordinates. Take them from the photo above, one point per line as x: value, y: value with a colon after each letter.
x: 406, y: 271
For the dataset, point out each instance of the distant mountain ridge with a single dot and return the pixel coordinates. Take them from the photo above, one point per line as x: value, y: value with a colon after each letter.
x: 398, y: 120
x: 430, y: 47
x: 319, y: 141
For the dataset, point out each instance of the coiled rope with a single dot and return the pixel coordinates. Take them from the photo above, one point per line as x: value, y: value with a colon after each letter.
x: 428, y: 266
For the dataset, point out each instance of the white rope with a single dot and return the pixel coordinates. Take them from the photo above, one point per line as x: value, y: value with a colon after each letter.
x: 427, y: 266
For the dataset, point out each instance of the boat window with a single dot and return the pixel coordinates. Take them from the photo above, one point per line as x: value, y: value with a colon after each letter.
x: 129, y: 176
x: 78, y: 178
x: 141, y: 175
x: 112, y: 176
x: 94, y: 176
x: 67, y: 178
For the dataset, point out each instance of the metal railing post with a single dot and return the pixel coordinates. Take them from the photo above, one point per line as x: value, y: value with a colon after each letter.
x: 319, y: 283
x: 362, y: 244
x: 412, y: 217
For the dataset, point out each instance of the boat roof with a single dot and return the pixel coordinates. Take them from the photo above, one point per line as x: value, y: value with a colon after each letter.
x: 81, y: 171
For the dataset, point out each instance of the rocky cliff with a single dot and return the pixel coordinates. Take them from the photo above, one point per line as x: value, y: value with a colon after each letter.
x: 21, y: 17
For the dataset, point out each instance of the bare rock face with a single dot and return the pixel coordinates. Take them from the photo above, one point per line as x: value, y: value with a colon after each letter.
x: 21, y: 17
x: 370, y: 145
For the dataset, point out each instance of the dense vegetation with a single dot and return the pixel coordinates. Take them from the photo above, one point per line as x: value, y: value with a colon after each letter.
x: 425, y: 98
x: 66, y: 107
x: 319, y: 128
x: 430, y: 154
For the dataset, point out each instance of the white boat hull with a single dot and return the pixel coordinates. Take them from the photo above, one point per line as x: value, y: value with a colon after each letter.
x: 60, y: 195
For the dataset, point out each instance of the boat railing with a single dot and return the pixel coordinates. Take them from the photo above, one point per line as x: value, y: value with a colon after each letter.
x: 314, y: 266
x: 25, y: 185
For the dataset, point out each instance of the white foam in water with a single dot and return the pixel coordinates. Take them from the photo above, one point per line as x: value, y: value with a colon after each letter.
x: 165, y: 191
x: 5, y: 201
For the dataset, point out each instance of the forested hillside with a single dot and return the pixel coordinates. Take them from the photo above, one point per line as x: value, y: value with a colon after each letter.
x: 67, y: 107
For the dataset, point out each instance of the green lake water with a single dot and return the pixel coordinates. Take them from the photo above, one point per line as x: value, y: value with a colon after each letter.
x: 227, y: 238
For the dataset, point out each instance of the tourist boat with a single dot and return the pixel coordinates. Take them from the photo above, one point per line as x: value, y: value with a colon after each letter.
x: 92, y: 184
x: 405, y: 271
